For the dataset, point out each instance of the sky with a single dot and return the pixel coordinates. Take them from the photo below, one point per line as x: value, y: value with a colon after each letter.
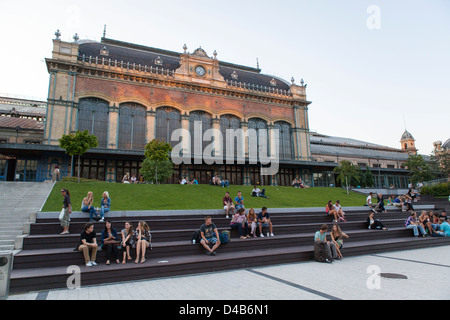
x: 372, y: 68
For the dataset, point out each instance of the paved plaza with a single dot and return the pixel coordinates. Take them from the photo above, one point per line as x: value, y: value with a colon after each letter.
x: 354, y: 278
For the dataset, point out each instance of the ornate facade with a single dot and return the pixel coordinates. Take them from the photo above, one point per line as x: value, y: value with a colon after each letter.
x: 128, y: 94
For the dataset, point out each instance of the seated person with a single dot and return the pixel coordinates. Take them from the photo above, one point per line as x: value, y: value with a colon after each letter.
x: 194, y: 181
x: 209, y: 235
x: 338, y: 211
x: 225, y: 183
x: 183, y: 181
x: 228, y: 204
x: 264, y: 221
x: 239, y: 201
x: 256, y: 192
x: 302, y: 185
x: 295, y: 183
x: 86, y: 206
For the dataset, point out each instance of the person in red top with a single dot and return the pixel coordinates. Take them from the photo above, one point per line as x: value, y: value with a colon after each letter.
x: 228, y: 204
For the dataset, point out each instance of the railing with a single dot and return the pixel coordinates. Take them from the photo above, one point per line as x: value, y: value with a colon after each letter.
x: 126, y: 65
x: 255, y: 87
x: 437, y: 181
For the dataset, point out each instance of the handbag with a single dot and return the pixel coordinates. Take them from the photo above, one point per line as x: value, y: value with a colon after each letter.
x: 61, y: 214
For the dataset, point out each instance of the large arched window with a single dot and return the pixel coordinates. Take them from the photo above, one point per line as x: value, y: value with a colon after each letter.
x: 167, y: 121
x: 229, y: 122
x: 206, y: 123
x: 132, y: 126
x: 93, y: 117
x: 259, y: 125
x: 284, y: 141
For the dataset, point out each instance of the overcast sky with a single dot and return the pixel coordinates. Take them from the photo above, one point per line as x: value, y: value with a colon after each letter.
x: 370, y: 66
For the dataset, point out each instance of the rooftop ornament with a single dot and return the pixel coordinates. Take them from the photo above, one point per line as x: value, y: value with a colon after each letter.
x: 58, y: 35
x: 76, y: 37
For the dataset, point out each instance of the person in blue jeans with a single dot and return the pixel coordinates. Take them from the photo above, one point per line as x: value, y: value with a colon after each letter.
x: 239, y: 201
x: 413, y: 223
x: 86, y: 206
x: 444, y: 228
x: 105, y: 205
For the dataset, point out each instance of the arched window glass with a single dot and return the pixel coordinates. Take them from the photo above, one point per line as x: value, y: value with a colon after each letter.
x: 257, y: 124
x: 167, y: 120
x: 132, y: 126
x: 206, y: 123
x: 93, y: 117
x: 285, y: 142
x: 229, y: 122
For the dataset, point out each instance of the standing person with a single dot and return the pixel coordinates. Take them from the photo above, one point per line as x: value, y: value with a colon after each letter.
x: 324, y: 251
x: 67, y: 207
x: 239, y: 221
x: 143, y: 240
x: 239, y: 201
x: 413, y: 223
x: 264, y: 221
x: 109, y: 242
x: 373, y: 223
x: 209, y: 235
x: 127, y: 241
x: 86, y: 206
x: 88, y: 242
x: 337, y: 237
x: 252, y: 221
x: 56, y: 174
x: 228, y: 204
x: 105, y: 205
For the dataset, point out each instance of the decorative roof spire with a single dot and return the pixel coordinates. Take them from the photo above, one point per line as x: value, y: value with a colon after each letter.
x: 58, y: 35
x: 76, y: 37
x: 104, y: 32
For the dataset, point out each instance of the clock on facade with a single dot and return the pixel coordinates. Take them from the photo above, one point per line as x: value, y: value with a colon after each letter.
x: 199, y: 70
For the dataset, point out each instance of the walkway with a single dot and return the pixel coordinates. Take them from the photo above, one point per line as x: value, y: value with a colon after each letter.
x: 350, y: 279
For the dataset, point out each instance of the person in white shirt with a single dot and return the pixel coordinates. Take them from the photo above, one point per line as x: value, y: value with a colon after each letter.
x: 339, y: 212
x: 372, y: 206
x: 256, y: 192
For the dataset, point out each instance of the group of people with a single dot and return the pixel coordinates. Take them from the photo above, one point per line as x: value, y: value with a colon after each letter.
x: 87, y: 205
x: 127, y: 179
x: 298, y: 183
x: 185, y: 181
x: 138, y: 239
x: 246, y: 224
x: 428, y: 224
x: 335, y: 210
x: 216, y: 181
x: 230, y: 207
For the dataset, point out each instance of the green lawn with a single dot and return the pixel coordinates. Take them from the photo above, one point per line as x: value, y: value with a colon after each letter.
x: 178, y: 197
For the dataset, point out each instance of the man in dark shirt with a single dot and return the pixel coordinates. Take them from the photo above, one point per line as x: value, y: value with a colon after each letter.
x: 228, y: 204
x: 209, y: 235
x: 264, y: 221
x: 88, y: 242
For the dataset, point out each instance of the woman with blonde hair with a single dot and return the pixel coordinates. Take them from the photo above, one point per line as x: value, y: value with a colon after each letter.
x: 143, y: 240
x: 105, y: 205
x: 86, y: 205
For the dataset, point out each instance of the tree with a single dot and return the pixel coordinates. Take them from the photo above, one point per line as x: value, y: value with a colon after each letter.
x: 156, y: 151
x: 78, y: 143
x: 347, y: 172
x: 419, y: 169
x: 440, y: 163
x: 149, y: 169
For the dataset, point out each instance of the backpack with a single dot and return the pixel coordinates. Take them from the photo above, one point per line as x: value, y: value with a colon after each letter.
x: 224, y: 237
x: 196, y: 236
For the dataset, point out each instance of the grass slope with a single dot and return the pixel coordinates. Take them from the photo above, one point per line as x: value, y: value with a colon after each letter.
x: 178, y: 197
